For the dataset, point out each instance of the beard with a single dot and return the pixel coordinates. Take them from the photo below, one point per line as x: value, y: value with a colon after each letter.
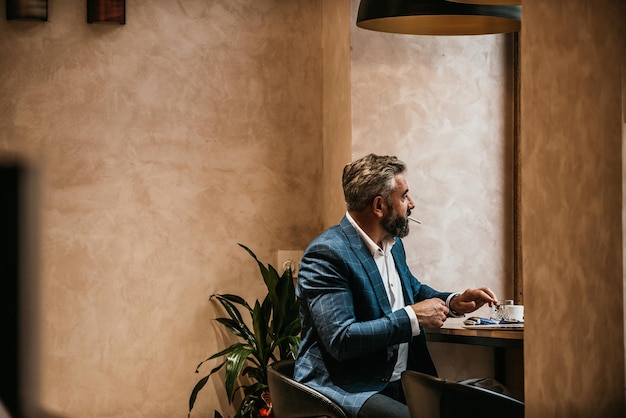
x: 396, y: 225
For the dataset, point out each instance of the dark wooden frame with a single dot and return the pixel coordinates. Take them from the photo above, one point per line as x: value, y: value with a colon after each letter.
x: 27, y: 10
x: 518, y: 282
x: 106, y: 11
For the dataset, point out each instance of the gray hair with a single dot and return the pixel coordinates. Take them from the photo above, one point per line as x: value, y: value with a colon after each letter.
x: 368, y: 177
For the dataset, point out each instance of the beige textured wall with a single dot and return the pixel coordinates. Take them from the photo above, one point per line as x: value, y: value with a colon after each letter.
x: 443, y: 104
x: 572, y: 58
x: 337, y: 122
x: 160, y: 145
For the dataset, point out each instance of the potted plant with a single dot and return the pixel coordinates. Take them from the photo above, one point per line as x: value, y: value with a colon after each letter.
x: 275, y: 335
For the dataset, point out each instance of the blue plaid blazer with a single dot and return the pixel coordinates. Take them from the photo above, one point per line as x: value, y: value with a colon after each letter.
x: 350, y: 336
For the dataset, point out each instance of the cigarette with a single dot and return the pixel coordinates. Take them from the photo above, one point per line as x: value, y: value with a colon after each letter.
x: 415, y: 220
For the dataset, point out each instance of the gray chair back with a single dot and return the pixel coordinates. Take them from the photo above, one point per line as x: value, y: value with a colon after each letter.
x: 423, y: 394
x: 431, y: 397
x: 291, y: 399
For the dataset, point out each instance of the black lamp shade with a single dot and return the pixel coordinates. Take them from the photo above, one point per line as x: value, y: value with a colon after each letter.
x: 437, y: 17
x: 491, y: 2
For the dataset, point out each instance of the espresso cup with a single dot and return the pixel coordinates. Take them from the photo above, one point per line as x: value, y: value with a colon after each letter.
x: 513, y: 313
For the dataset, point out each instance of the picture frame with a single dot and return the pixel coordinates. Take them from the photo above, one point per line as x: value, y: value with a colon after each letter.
x: 106, y: 11
x: 27, y: 10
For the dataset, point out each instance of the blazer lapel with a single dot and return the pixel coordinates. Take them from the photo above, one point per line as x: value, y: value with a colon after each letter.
x: 365, y: 257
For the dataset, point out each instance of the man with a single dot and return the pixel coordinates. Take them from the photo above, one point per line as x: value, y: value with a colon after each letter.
x: 363, y: 313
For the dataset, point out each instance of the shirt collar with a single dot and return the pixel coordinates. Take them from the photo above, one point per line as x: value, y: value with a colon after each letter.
x: 371, y: 245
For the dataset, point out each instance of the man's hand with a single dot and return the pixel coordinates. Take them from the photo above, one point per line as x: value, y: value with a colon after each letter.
x: 431, y: 313
x: 472, y: 299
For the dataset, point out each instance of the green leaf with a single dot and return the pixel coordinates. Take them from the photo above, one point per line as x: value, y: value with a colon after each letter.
x: 229, y: 350
x: 195, y: 390
x: 269, y: 275
x: 231, y: 325
x: 234, y: 365
x: 271, y: 278
x: 237, y: 326
x: 286, y: 306
x: 293, y: 328
x: 204, y: 361
x: 289, y: 346
x: 230, y: 307
x: 260, y: 319
x: 256, y: 389
x: 247, y: 408
x: 201, y: 383
x: 255, y: 373
x: 235, y: 299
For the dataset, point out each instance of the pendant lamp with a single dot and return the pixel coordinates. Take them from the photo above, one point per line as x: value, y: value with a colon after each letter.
x: 437, y: 17
x: 491, y: 2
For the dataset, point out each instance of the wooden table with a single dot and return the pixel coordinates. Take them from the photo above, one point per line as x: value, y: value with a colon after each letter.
x: 500, y: 340
x: 456, y: 333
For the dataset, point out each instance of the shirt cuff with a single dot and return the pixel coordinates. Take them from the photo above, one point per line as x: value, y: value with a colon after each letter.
x: 453, y: 313
x: 415, y: 325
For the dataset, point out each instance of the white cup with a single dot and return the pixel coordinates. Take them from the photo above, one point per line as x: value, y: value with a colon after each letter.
x: 513, y: 313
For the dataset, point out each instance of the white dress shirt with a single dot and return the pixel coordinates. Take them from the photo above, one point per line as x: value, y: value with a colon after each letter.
x: 393, y: 286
